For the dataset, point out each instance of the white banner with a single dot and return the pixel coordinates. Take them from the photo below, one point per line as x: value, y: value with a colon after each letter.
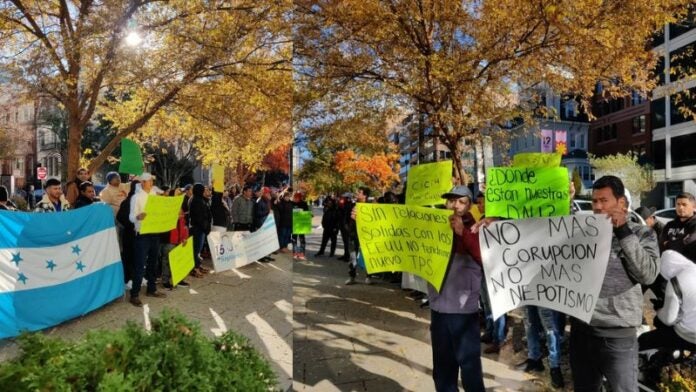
x: 557, y: 263
x: 234, y: 249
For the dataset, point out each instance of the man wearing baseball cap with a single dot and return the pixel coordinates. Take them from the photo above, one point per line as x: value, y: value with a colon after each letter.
x: 454, y: 321
x: 146, y: 246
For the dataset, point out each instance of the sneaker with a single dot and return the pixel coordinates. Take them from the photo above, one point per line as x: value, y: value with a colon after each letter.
x: 557, y: 377
x: 167, y: 286
x: 493, y: 348
x: 136, y: 301
x: 368, y: 280
x: 156, y: 294
x: 295, y: 255
x: 350, y: 281
x: 531, y: 365
x: 319, y: 254
x: 284, y: 250
x: 302, y: 257
x: 183, y: 283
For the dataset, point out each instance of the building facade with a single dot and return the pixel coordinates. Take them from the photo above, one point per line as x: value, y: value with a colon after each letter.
x: 18, y: 113
x: 674, y: 132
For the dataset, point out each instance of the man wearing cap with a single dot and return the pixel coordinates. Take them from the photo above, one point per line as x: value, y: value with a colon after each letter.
x: 454, y: 323
x: 53, y: 199
x: 648, y: 215
x: 146, y: 246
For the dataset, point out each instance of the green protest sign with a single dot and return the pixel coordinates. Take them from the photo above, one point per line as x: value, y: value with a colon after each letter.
x: 301, y: 222
x: 525, y: 192
x: 536, y: 159
x: 131, y: 158
x: 181, y: 261
x: 427, y: 182
x: 161, y: 214
x: 405, y: 238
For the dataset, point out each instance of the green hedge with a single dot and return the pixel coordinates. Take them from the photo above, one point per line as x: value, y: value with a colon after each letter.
x: 174, y: 356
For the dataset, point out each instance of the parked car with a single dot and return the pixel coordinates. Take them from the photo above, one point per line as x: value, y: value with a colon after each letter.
x: 665, y: 215
x: 583, y: 206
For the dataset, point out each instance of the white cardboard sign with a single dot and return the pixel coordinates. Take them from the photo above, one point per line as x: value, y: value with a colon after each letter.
x: 234, y: 249
x: 557, y: 263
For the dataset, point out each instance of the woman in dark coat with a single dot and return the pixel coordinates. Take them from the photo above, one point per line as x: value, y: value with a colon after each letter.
x: 329, y: 222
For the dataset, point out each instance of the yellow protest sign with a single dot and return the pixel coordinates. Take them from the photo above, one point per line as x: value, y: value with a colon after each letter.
x: 427, y: 183
x: 161, y: 214
x: 181, y: 261
x: 218, y: 178
x: 405, y: 238
x: 536, y: 159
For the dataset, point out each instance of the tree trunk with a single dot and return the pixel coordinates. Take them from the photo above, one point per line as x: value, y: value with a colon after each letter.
x: 74, y: 144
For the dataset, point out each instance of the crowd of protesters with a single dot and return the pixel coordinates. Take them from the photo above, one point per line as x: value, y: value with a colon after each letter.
x: 146, y: 256
x: 644, y: 256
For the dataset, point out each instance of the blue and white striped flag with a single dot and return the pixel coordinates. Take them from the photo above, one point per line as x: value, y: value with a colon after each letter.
x: 56, y: 266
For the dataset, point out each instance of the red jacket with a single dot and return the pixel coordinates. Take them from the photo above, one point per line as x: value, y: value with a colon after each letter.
x: 468, y: 242
x: 181, y: 232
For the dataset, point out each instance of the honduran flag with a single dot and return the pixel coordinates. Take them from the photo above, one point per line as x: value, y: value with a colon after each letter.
x: 56, y: 266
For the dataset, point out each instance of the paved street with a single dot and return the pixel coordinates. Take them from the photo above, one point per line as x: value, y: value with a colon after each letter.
x: 370, y: 338
x: 253, y: 301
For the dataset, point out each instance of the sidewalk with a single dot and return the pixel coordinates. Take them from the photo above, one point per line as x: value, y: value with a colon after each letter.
x: 253, y: 301
x: 368, y: 338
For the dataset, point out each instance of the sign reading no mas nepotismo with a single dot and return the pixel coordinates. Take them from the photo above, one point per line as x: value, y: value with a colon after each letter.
x: 426, y: 183
x: 405, y: 238
x: 557, y: 263
x: 526, y: 192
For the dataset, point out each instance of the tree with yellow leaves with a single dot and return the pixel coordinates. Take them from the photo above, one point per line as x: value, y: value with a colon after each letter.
x: 468, y: 66
x: 378, y: 172
x: 145, y: 55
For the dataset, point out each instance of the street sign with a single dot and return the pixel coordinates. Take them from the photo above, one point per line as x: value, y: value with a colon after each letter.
x: 41, y: 173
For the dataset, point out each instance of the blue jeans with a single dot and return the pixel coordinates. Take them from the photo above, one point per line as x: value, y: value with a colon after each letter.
x: 593, y: 356
x: 298, y: 243
x: 455, y: 341
x: 284, y: 237
x: 496, y: 328
x: 146, y: 252
x: 198, y: 242
x: 541, y: 320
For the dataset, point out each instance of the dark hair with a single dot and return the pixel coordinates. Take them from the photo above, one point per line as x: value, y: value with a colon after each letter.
x: 390, y: 198
x: 246, y: 188
x: 132, y: 187
x: 687, y: 195
x: 480, y: 195
x: 365, y: 190
x: 613, y: 182
x: 52, y: 182
x: 171, y: 192
x: 84, y: 185
x: 3, y: 193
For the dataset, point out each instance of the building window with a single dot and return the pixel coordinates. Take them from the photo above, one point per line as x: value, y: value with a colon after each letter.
x: 571, y: 138
x: 684, y: 25
x: 657, y: 112
x: 581, y: 140
x: 636, y: 98
x: 639, y: 124
x: 682, y: 61
x: 679, y: 101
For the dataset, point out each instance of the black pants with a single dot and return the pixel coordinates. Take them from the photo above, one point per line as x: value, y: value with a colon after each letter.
x: 664, y: 337
x: 128, y: 254
x: 329, y: 234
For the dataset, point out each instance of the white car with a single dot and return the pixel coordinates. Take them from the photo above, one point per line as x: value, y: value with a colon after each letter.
x: 585, y: 207
x: 666, y: 215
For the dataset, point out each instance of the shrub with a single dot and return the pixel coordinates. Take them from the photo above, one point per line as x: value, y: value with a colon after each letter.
x: 174, y: 356
x: 679, y: 377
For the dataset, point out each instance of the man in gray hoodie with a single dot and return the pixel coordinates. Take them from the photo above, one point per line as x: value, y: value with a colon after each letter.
x: 608, y: 345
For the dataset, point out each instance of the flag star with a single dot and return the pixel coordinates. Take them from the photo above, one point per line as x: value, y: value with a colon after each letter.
x: 76, y: 249
x: 80, y: 266
x: 16, y: 258
x: 50, y: 265
x: 22, y: 278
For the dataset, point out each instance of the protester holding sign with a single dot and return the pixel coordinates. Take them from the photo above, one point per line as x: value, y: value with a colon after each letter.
x: 177, y: 236
x: 454, y: 328
x: 608, y: 345
x: 353, y: 248
x: 146, y: 246
x: 298, y: 240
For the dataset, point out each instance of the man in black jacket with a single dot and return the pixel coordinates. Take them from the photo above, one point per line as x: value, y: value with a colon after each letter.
x: 329, y: 222
x: 200, y: 219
